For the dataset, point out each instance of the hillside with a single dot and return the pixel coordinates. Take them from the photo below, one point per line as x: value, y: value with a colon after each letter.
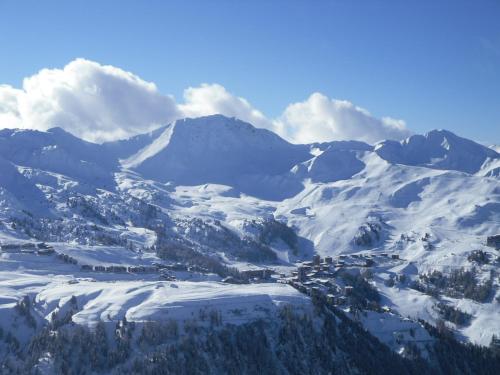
x: 169, y: 222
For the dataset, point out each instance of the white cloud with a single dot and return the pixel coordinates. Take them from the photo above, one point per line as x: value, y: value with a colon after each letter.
x: 322, y: 119
x: 9, y: 107
x: 93, y: 101
x: 101, y: 102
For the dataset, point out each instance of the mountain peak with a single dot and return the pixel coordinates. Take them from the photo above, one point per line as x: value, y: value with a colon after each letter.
x: 439, y: 149
x: 219, y: 122
x: 216, y: 149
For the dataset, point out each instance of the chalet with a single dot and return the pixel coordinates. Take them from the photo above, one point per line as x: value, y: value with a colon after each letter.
x: 11, y: 248
x: 355, y: 255
x: 69, y: 259
x: 395, y: 256
x: 343, y: 256
x: 493, y: 241
x: 86, y: 267
x: 316, y: 260
x: 136, y: 269
x: 99, y: 268
x: 301, y: 273
x: 315, y: 292
x: 384, y: 254
x: 257, y: 274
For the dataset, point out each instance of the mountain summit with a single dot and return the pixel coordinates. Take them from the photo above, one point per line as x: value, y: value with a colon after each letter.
x: 219, y: 150
x: 440, y: 149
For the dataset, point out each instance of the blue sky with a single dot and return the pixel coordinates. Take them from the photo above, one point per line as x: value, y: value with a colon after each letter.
x: 434, y: 64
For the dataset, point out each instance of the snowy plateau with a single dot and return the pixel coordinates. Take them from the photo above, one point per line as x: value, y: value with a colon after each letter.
x: 215, y: 221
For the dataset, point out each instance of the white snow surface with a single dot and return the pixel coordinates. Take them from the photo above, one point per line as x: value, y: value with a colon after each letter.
x: 140, y: 300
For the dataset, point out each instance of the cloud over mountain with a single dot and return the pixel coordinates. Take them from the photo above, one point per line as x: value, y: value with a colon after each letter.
x: 93, y: 101
x: 211, y: 99
x: 319, y: 118
x: 101, y: 102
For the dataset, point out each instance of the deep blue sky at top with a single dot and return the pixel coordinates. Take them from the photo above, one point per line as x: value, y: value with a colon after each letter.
x: 435, y: 64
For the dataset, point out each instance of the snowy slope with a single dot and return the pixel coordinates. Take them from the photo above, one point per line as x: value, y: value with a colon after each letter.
x: 141, y: 301
x: 18, y: 193
x: 59, y: 152
x: 211, y: 183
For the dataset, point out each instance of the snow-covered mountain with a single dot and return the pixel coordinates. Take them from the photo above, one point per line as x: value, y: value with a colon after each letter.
x: 439, y: 149
x: 58, y: 151
x: 226, y: 190
x: 219, y: 150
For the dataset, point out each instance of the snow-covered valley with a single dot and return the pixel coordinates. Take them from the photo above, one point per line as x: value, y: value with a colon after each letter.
x: 163, y: 225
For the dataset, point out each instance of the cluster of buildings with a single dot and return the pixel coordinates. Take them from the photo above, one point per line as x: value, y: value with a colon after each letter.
x: 67, y: 258
x: 44, y: 249
x: 318, y: 277
x: 326, y: 267
x: 28, y: 248
x: 118, y: 268
x: 110, y: 268
x: 178, y: 266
